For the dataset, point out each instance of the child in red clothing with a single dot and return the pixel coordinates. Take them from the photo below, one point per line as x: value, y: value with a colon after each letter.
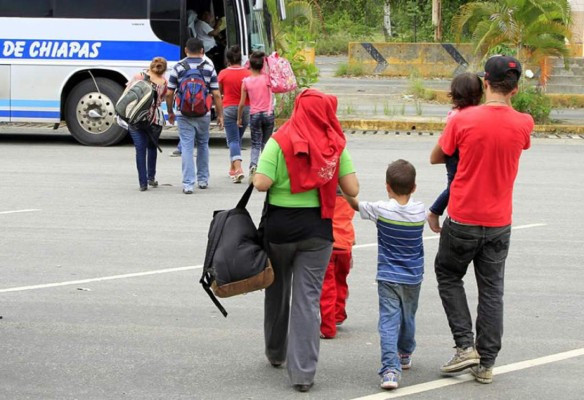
x: 334, y: 288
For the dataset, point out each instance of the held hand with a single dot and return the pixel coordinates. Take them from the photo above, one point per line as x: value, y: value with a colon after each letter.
x: 240, y: 122
x: 220, y: 121
x: 171, y: 118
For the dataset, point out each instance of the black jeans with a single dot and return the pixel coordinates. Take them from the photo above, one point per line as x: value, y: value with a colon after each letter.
x: 487, y: 248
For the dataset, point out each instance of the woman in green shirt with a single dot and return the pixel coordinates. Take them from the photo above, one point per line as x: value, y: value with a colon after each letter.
x: 299, y: 166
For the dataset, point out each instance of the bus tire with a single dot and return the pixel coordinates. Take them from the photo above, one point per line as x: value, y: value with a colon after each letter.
x: 90, y: 113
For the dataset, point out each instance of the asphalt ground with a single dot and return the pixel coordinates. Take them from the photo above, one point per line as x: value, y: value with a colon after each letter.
x: 100, y: 298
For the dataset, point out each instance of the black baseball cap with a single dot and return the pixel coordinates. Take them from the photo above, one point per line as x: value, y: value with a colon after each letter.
x: 497, y: 67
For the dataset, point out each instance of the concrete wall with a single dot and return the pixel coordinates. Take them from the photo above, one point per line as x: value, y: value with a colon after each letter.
x: 577, y: 21
x: 402, y: 59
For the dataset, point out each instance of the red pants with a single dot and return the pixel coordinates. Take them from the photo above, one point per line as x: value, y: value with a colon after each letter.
x: 334, y: 292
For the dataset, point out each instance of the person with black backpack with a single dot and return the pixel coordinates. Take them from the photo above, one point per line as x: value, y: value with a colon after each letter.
x: 190, y: 82
x: 146, y: 130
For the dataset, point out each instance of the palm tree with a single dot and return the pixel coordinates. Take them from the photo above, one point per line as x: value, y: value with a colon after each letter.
x: 533, y: 29
x: 301, y: 15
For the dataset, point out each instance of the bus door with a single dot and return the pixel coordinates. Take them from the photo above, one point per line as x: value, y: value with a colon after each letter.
x: 4, y: 93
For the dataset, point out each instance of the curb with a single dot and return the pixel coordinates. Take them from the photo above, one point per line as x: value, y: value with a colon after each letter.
x: 434, y: 126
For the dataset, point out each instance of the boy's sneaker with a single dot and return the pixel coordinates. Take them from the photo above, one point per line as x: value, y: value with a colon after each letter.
x: 390, y: 380
x: 462, y: 359
x: 482, y: 374
x: 153, y: 182
x: 175, y: 153
x: 405, y: 360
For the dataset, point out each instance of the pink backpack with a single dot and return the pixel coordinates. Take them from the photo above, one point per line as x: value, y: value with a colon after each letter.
x: 279, y: 70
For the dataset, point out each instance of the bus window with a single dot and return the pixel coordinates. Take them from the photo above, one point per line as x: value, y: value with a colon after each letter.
x: 103, y: 9
x: 28, y: 9
x: 167, y: 31
x: 258, y: 36
x: 165, y: 20
x: 165, y: 9
x: 232, y: 22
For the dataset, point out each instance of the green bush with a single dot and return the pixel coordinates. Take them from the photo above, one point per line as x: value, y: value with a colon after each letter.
x: 332, y: 45
x: 532, y: 101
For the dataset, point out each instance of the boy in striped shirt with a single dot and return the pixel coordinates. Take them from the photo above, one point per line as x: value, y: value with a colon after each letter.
x: 400, y: 267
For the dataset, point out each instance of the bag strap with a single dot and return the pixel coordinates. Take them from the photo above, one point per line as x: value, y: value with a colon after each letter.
x: 206, y: 278
x: 200, y: 68
x: 245, y: 198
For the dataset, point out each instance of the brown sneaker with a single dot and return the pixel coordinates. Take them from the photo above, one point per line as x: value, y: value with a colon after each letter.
x: 461, y: 360
x: 482, y: 374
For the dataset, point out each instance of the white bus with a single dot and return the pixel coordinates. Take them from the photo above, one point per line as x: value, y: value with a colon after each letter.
x: 69, y: 60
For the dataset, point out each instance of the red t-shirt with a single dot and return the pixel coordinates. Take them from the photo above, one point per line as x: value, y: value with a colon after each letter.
x: 490, y: 140
x: 230, y: 78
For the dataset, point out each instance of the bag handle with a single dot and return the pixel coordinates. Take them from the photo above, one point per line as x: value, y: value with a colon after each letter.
x: 245, y: 198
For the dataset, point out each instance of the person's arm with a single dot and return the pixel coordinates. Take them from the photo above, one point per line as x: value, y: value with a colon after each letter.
x: 437, y: 156
x: 349, y: 184
x: 241, y: 105
x: 218, y: 107
x: 262, y: 182
x: 352, y: 200
x: 169, y: 105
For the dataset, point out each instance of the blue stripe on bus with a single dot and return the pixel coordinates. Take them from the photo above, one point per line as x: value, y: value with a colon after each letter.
x: 30, y: 114
x: 87, y: 50
x: 30, y: 103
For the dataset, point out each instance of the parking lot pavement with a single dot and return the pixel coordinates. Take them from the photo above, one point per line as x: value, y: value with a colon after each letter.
x: 100, y: 296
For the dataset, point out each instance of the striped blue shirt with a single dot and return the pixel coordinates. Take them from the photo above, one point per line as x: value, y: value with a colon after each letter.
x: 400, y: 248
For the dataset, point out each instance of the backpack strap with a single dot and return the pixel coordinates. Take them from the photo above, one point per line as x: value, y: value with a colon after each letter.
x: 186, y: 67
x: 206, y: 279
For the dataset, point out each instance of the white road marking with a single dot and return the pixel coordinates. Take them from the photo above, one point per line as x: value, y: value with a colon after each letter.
x: 440, y: 383
x: 168, y: 270
x: 103, y: 278
x: 19, y: 211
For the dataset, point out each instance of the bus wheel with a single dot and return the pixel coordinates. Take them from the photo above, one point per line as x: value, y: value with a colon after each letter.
x: 90, y: 113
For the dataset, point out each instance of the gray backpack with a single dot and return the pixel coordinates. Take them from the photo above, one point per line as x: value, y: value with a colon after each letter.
x: 136, y: 102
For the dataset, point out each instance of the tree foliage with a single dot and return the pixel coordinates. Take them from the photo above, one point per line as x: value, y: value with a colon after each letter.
x: 531, y: 29
x: 411, y: 19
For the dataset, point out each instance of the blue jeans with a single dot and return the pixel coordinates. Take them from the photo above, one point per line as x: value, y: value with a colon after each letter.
x: 261, y: 126
x: 145, y: 152
x: 189, y: 131
x: 487, y: 248
x: 233, y: 132
x: 398, y: 304
x: 442, y: 201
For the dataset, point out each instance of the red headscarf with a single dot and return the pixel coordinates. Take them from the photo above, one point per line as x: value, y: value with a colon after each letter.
x: 312, y: 141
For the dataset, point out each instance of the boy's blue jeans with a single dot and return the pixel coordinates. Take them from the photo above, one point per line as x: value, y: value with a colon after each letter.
x: 398, y: 304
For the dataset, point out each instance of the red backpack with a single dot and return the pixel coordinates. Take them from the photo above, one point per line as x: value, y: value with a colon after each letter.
x: 192, y: 97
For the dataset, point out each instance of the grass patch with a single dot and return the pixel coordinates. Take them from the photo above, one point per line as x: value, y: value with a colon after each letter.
x: 419, y: 90
x: 350, y: 69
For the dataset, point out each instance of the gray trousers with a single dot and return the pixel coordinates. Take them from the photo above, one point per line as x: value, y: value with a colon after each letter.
x: 292, y: 306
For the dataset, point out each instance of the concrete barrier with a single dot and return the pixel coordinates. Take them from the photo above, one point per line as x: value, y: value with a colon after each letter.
x: 402, y: 59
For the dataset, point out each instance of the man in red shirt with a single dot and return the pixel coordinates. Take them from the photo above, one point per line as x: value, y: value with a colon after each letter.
x: 490, y: 139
